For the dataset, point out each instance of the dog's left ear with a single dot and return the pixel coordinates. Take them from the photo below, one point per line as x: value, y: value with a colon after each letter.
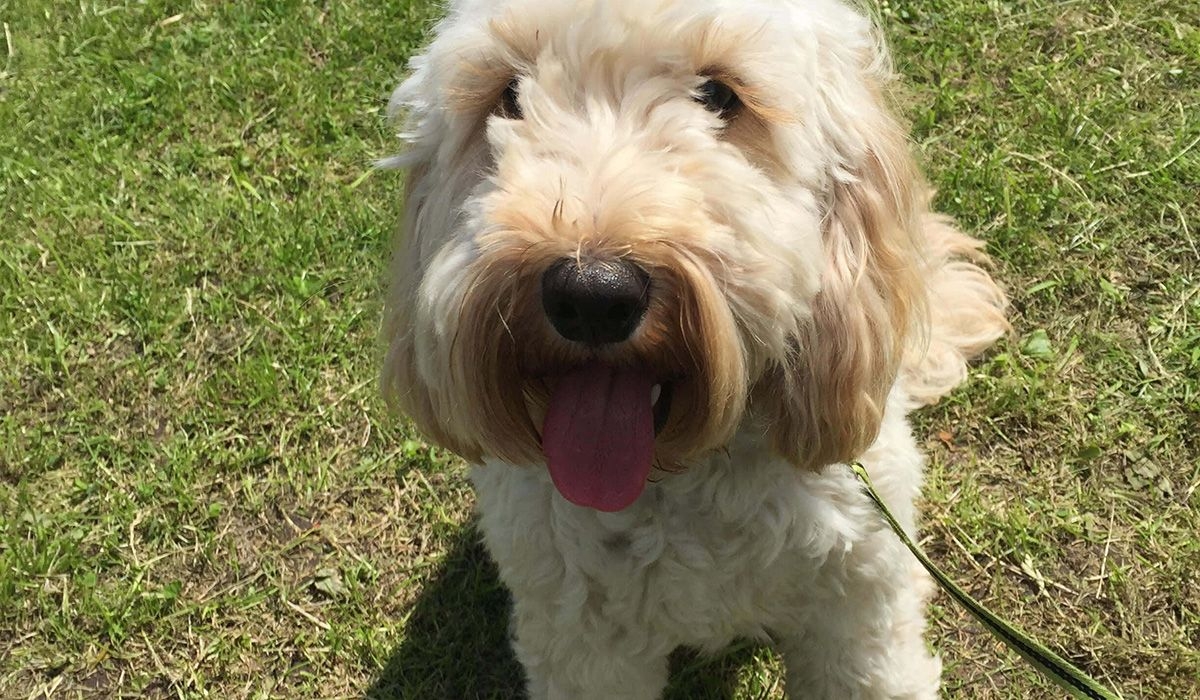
x: 825, y: 403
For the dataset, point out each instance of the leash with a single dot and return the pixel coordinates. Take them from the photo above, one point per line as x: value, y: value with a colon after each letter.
x: 1077, y: 683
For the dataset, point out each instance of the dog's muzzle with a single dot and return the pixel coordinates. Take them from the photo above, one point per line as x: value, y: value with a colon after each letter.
x: 599, y: 429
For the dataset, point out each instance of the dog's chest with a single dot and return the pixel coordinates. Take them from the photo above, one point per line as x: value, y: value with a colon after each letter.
x: 718, y: 552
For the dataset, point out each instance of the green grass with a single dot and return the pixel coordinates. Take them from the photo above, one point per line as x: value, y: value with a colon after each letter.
x: 201, y: 496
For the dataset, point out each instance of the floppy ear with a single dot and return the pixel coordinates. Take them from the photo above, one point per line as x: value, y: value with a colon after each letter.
x: 826, y: 402
x: 403, y: 386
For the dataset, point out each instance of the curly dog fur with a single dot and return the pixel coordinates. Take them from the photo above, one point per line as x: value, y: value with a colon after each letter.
x: 725, y: 181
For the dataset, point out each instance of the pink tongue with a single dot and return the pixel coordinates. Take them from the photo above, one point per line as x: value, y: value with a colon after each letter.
x: 598, y: 436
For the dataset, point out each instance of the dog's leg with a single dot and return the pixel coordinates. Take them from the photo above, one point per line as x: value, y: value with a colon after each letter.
x: 866, y: 645
x: 595, y: 661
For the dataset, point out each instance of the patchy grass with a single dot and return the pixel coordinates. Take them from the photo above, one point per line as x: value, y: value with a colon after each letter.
x: 199, y: 492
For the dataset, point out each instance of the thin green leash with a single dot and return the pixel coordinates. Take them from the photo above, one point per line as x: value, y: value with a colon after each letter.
x: 1077, y: 683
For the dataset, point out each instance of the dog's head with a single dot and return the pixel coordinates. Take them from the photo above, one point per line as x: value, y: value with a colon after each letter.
x: 635, y: 226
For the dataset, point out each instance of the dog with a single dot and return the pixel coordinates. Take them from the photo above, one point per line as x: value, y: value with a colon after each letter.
x: 665, y: 267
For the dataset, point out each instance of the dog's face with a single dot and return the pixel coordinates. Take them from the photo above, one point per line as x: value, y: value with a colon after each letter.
x: 634, y: 226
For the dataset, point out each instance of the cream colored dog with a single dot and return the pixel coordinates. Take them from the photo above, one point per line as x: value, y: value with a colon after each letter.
x: 667, y: 265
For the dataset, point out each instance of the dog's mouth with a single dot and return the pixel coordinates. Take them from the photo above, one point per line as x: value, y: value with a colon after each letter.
x: 660, y: 404
x: 598, y: 433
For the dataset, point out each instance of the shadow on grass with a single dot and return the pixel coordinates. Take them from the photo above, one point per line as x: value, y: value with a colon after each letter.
x: 456, y: 644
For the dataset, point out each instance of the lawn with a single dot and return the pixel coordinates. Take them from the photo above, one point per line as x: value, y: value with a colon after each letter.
x: 202, y: 496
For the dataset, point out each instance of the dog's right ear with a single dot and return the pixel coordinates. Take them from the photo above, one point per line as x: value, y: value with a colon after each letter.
x: 412, y: 350
x: 404, y: 385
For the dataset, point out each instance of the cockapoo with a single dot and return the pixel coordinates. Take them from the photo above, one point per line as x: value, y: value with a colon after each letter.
x: 665, y: 267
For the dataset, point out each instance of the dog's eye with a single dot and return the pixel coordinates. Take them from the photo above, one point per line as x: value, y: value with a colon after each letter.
x: 718, y: 98
x: 509, y: 106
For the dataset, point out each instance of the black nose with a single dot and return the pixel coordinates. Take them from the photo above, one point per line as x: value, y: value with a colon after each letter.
x: 596, y: 301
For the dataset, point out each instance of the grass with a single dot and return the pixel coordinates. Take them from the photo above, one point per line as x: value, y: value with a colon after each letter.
x: 201, y: 496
